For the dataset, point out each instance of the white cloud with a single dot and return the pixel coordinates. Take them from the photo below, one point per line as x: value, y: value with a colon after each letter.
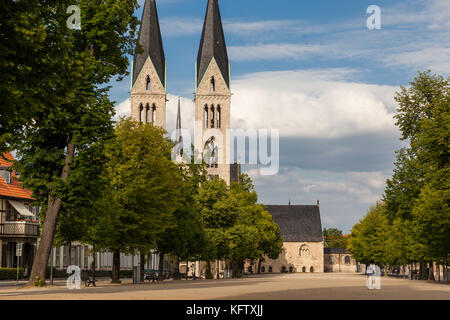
x: 435, y: 58
x: 275, y: 51
x: 312, y: 103
x: 307, y: 103
x: 187, y: 112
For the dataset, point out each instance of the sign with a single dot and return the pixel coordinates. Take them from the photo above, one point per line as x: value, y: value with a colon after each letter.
x: 18, y: 250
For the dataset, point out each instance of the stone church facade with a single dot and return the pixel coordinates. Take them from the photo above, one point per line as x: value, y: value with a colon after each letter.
x: 212, y: 94
x: 303, y: 245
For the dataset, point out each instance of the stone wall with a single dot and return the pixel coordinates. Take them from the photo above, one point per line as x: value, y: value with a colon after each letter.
x: 342, y: 262
x: 296, y: 257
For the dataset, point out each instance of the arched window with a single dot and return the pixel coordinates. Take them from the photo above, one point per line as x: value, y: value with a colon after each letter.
x: 147, y: 114
x: 263, y: 269
x: 291, y: 269
x: 311, y: 269
x: 206, y: 116
x: 283, y: 269
x: 213, y: 84
x: 154, y: 115
x: 212, y: 116
x: 148, y: 85
x: 304, y: 251
x: 331, y: 260
x: 8, y: 177
x: 270, y: 269
x: 304, y: 269
x: 211, y: 153
x: 141, y: 113
x: 219, y: 120
x: 347, y: 259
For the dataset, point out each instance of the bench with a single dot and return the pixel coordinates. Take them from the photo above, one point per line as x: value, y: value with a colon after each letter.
x: 88, y: 280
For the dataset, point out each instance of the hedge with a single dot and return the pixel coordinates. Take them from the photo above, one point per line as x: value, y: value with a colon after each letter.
x: 10, y: 273
x: 62, y: 273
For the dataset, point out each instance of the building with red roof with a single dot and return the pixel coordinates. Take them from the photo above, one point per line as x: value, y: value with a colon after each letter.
x: 19, y: 225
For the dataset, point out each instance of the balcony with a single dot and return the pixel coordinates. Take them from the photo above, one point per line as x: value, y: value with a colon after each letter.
x: 19, y: 229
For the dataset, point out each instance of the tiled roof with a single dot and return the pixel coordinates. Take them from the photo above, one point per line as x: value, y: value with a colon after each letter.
x: 151, y: 42
x: 298, y: 223
x: 13, y: 190
x: 335, y: 251
x: 212, y: 44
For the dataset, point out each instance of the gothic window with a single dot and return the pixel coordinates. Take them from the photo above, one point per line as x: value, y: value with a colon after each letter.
x: 311, y: 269
x: 304, y: 269
x: 219, y: 124
x: 210, y: 153
x: 141, y: 113
x: 147, y: 114
x: 206, y: 116
x: 154, y: 115
x: 331, y: 260
x: 213, y: 84
x: 304, y: 251
x: 148, y: 85
x: 347, y: 259
x: 8, y: 177
x: 291, y: 269
x: 212, y: 116
x: 270, y: 269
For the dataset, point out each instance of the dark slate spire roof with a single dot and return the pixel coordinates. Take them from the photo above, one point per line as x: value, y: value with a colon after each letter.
x: 179, y: 135
x: 151, y: 42
x: 212, y: 44
x: 298, y: 223
x: 335, y: 251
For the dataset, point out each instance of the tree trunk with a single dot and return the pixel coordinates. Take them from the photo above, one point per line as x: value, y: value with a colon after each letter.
x: 259, y: 265
x: 431, y: 273
x: 116, y: 267
x: 69, y: 246
x: 161, y: 267
x: 217, y: 270
x: 142, y: 266
x: 187, y: 269
x: 445, y: 269
x: 176, y: 274
x: 208, y: 270
x: 48, y: 231
x: 94, y: 261
x: 421, y: 270
x: 438, y: 269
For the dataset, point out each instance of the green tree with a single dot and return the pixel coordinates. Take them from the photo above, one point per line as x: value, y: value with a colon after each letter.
x: 72, y: 110
x: 334, y: 238
x: 238, y: 228
x: 145, y: 189
x: 186, y: 238
x: 368, y: 238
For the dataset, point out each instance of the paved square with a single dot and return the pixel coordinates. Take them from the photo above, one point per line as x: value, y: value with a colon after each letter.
x: 278, y: 287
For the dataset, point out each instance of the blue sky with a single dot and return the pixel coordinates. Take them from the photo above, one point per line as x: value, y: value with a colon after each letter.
x: 334, y: 81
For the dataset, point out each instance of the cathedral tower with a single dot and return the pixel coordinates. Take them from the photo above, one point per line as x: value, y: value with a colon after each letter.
x: 213, y: 96
x: 148, y: 80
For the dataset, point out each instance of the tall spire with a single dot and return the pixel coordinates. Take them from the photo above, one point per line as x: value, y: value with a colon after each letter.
x: 151, y: 42
x: 179, y: 134
x: 179, y: 142
x: 212, y: 44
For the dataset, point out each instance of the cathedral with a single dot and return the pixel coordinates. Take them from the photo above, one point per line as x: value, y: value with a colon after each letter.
x: 300, y: 225
x: 212, y: 94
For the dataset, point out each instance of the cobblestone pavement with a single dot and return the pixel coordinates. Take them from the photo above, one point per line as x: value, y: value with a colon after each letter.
x: 324, y: 286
